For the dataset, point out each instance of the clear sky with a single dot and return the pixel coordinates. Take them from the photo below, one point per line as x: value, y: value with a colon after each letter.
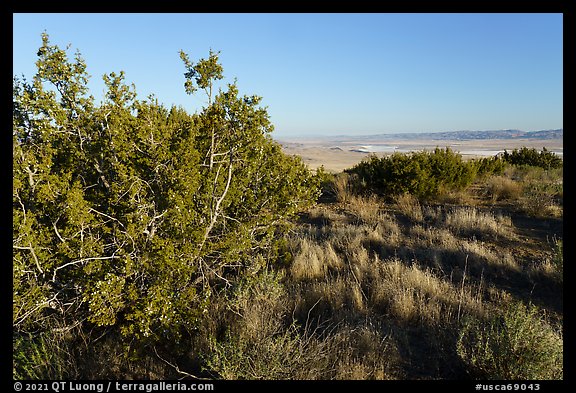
x: 334, y: 73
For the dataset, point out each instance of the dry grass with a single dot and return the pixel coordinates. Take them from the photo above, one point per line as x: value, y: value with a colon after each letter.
x: 340, y: 297
x: 324, y: 214
x: 385, y: 232
x: 503, y: 188
x: 390, y: 230
x: 434, y: 238
x: 471, y: 221
x: 412, y: 294
x: 551, y: 266
x: 495, y: 259
x: 259, y: 343
x: 314, y: 260
x: 271, y: 332
x: 541, y: 206
x: 365, y: 353
x: 365, y: 209
x: 423, y: 269
x: 360, y: 281
x: 457, y: 197
x: 433, y: 214
x: 435, y: 244
x: 342, y: 187
x: 409, y: 205
x: 377, y: 300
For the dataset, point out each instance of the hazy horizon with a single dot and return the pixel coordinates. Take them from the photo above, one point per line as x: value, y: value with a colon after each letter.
x: 360, y: 134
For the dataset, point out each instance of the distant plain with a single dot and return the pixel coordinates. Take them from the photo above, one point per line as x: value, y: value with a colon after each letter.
x: 339, y: 153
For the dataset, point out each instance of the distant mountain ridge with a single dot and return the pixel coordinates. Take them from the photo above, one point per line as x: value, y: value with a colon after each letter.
x: 466, y: 135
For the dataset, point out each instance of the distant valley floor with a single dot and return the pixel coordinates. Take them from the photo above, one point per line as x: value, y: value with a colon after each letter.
x: 338, y: 154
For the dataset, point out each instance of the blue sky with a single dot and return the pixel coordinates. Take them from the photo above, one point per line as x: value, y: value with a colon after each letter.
x: 331, y: 74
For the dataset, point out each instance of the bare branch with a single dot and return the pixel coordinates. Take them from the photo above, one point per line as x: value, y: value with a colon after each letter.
x: 81, y: 261
x: 106, y: 215
x: 31, y: 178
x: 33, y: 255
x: 20, y: 319
x: 104, y: 181
x: 232, y: 219
x: 56, y: 230
x: 151, y: 227
x: 22, y: 206
x: 216, y: 211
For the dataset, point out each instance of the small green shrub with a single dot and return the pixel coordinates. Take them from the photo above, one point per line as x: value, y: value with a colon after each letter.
x: 489, y: 166
x: 271, y: 357
x: 517, y: 345
x: 326, y: 182
x: 423, y: 174
x: 542, y: 190
x: 525, y: 156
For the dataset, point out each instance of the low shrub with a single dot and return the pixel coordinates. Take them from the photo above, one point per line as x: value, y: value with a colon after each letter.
x: 541, y: 200
x: 489, y: 166
x: 516, y: 345
x: 525, y: 156
x: 424, y: 174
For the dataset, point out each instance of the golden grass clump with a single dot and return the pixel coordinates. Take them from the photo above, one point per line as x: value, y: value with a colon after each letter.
x: 342, y: 187
x: 409, y: 205
x: 503, y: 188
x: 471, y: 221
x: 413, y: 294
x: 435, y: 238
x: 365, y: 209
x: 365, y: 353
x: 313, y: 260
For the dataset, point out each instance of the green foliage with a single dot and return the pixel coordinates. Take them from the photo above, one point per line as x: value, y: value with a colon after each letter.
x: 44, y: 356
x: 129, y: 214
x: 204, y: 73
x: 516, y: 345
x: 423, y: 174
x: 486, y: 166
x: 326, y: 182
x: 525, y: 156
